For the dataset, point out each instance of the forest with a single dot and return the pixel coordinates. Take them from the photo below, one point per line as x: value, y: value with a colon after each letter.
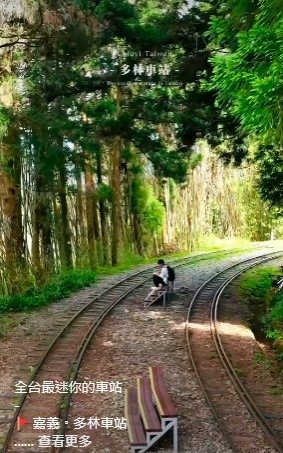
x: 135, y: 128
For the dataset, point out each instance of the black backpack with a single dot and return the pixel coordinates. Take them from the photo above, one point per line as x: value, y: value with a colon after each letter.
x: 171, y: 274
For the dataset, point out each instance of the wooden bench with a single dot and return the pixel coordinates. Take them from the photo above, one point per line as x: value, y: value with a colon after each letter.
x: 159, y: 293
x: 154, y: 296
x: 150, y: 412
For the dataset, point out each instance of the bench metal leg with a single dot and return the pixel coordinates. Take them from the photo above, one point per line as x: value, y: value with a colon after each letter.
x: 170, y: 287
x: 175, y: 437
x: 153, y: 296
x: 153, y: 437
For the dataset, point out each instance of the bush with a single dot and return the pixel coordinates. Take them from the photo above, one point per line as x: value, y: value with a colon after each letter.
x: 266, y: 306
x: 58, y: 287
x: 256, y: 282
x: 273, y: 320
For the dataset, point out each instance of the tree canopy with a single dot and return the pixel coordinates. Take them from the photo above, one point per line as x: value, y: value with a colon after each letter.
x: 248, y: 75
x: 104, y: 107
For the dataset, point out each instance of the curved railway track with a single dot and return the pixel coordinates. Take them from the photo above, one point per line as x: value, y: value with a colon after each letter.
x: 61, y: 358
x: 230, y: 401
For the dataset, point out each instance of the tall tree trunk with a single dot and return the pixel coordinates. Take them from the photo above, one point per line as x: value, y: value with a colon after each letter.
x: 81, y: 239
x: 58, y: 242
x: 42, y: 225
x: 102, y: 212
x: 42, y: 238
x: 137, y: 235
x: 65, y: 225
x: 116, y: 200
x: 161, y: 197
x: 92, y: 252
x: 116, y: 217
x: 10, y: 187
x: 96, y: 226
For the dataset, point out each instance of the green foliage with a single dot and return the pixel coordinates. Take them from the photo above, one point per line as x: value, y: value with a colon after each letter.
x: 127, y: 154
x: 172, y: 189
x: 58, y: 287
x: 104, y: 192
x: 4, y: 120
x: 102, y: 110
x: 273, y: 320
x: 261, y: 221
x: 266, y: 307
x: 120, y: 10
x: 256, y: 282
x: 270, y: 165
x: 147, y: 208
x: 74, y: 105
x: 195, y: 160
x: 84, y: 5
x: 153, y: 216
x: 170, y: 164
x: 250, y: 78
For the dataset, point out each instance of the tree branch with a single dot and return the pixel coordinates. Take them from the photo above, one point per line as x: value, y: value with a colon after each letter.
x: 9, y: 44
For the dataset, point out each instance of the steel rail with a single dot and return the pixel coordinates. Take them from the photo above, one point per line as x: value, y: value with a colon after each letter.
x: 182, y: 261
x: 241, y: 389
x: 255, y: 262
x: 66, y: 400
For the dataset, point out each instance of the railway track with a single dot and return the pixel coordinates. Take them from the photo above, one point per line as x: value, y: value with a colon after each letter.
x: 231, y: 403
x: 60, y: 360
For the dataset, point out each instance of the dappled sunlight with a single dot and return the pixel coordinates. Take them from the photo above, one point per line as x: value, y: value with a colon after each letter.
x: 108, y: 343
x: 238, y: 330
x: 178, y: 326
x: 154, y: 315
x: 196, y: 326
x: 225, y: 328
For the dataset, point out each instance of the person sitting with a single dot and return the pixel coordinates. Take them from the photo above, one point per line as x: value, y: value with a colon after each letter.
x: 160, y: 277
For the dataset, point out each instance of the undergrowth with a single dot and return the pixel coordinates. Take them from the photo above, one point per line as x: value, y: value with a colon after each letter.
x: 274, y: 318
x: 56, y: 288
x: 266, y: 306
x: 256, y: 282
x: 62, y: 285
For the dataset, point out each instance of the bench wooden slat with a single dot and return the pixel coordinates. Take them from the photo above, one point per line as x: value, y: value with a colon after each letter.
x: 134, y: 422
x: 162, y: 399
x: 147, y: 408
